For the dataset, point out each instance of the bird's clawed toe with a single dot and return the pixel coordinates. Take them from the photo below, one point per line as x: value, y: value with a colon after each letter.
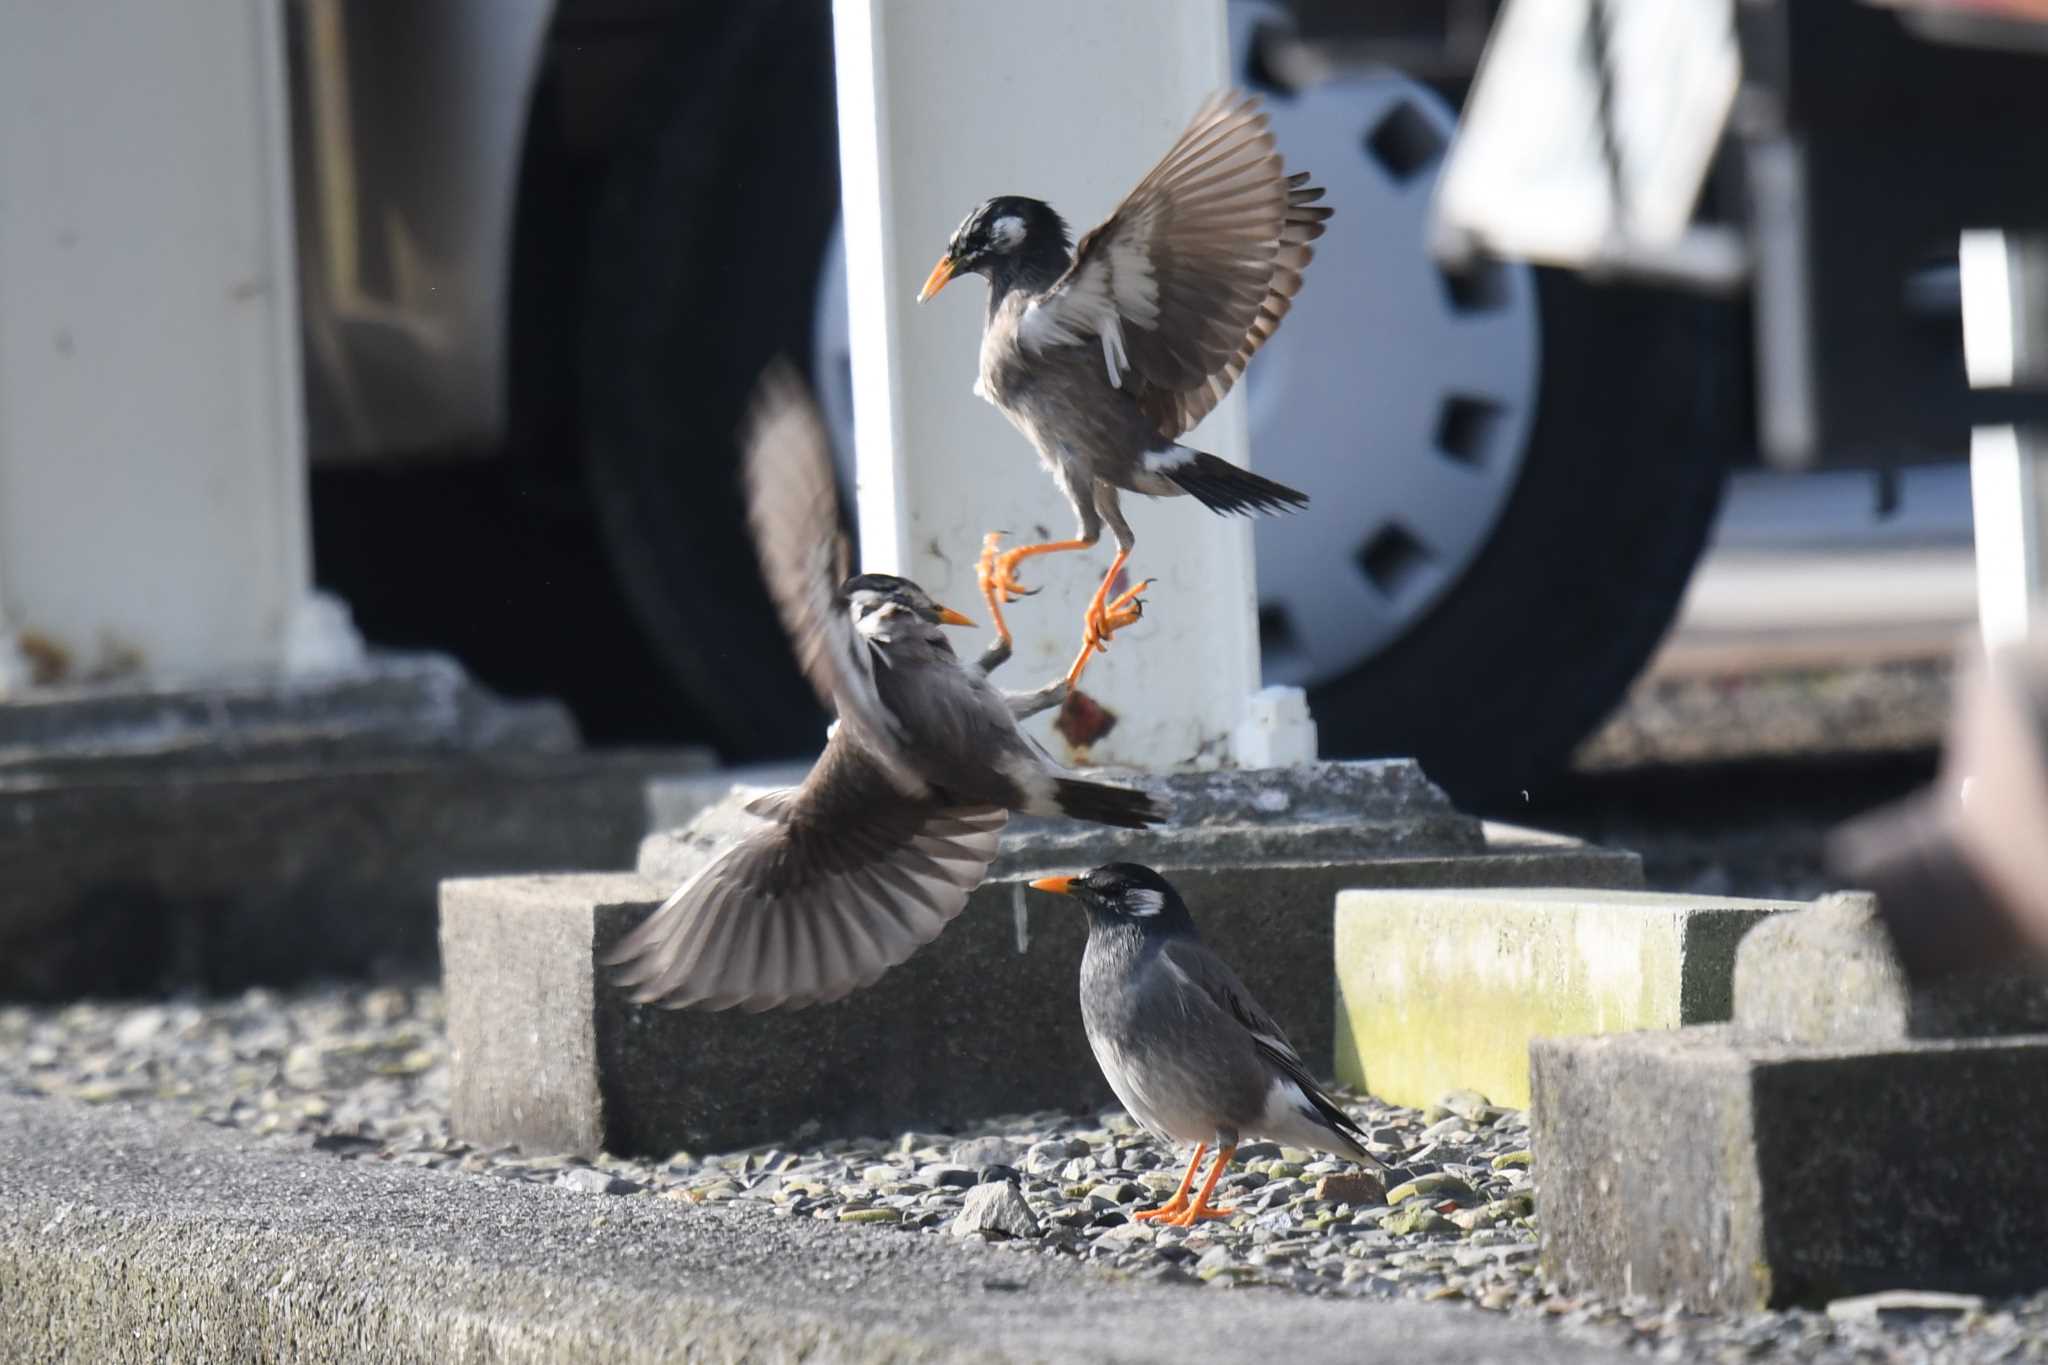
x: 1198, y: 1213
x: 1126, y: 609
x: 1166, y: 1212
x: 1105, y: 619
x: 997, y: 572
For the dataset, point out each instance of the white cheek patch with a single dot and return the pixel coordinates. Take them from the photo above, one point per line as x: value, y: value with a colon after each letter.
x: 1006, y: 232
x: 1143, y: 904
x: 877, y: 624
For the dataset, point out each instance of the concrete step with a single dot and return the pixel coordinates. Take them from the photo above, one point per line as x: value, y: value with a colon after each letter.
x: 126, y: 1237
x: 548, y: 1054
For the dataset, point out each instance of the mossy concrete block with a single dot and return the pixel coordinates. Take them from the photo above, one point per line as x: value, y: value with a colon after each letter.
x: 1728, y: 1172
x: 1439, y: 989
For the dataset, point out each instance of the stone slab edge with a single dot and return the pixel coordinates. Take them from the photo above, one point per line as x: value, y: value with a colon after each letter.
x: 129, y: 1237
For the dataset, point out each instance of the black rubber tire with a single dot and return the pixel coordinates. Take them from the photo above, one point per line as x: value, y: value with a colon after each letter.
x: 1532, y: 648
x: 704, y: 266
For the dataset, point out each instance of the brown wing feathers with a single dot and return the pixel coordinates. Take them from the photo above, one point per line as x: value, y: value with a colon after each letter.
x: 1201, y: 261
x: 851, y: 881
x: 1176, y: 413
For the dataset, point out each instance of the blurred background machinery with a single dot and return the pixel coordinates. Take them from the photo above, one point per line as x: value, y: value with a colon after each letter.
x: 548, y: 244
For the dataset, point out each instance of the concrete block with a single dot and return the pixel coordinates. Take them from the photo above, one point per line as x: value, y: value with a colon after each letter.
x: 1438, y: 989
x: 1830, y: 974
x: 982, y: 1021
x: 221, y: 876
x: 1728, y: 1172
x: 158, y: 836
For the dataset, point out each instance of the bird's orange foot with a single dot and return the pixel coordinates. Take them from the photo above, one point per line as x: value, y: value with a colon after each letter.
x: 1104, y: 620
x: 1113, y: 616
x: 1167, y: 1212
x: 1196, y: 1213
x: 997, y: 572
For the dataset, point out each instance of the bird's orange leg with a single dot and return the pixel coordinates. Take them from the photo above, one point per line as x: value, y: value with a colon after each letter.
x: 1104, y: 619
x: 1201, y: 1208
x: 997, y: 573
x: 1180, y: 1196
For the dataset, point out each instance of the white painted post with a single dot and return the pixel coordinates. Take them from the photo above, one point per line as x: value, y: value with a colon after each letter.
x: 942, y: 105
x: 2005, y: 343
x: 2009, y: 511
x: 152, y: 452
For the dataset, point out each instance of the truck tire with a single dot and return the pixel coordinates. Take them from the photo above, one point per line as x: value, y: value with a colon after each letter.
x: 704, y: 262
x: 1544, y: 632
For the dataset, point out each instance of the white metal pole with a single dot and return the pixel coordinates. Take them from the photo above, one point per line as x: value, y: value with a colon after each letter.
x: 152, y: 456
x: 2008, y: 508
x: 942, y: 105
x: 2002, y: 324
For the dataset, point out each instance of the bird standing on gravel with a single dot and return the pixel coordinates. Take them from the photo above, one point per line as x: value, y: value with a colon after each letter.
x: 1182, y: 1042
x: 877, y: 850
x: 1104, y: 357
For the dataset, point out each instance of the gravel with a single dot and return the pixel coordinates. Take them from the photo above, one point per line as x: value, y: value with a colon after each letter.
x: 361, y: 1073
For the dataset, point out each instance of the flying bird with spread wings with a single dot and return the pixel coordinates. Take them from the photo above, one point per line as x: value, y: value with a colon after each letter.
x: 1106, y: 355
x: 876, y: 851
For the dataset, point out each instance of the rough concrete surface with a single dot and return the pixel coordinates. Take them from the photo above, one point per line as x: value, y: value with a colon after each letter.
x: 1438, y: 989
x: 225, y: 875
x: 675, y: 799
x: 128, y: 1238
x: 392, y: 703
x: 1926, y: 1174
x: 1829, y: 973
x: 982, y: 1021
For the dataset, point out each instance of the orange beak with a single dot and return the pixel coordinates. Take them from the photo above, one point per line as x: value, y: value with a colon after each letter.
x: 936, y: 281
x: 1059, y: 886
x: 953, y: 618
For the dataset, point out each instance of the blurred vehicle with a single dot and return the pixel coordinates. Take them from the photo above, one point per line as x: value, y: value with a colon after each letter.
x: 548, y: 244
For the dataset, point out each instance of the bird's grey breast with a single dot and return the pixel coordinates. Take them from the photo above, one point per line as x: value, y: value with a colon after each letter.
x: 1007, y: 375
x: 1173, y: 1059
x: 1060, y: 397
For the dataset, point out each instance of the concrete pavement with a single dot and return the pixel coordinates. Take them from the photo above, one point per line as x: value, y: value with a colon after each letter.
x: 125, y: 1236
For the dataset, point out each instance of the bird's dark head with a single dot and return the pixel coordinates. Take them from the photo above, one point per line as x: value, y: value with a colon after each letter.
x: 1009, y: 240
x: 883, y: 605
x: 1125, y: 894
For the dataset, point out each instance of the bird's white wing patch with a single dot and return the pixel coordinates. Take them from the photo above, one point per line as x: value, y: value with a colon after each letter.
x: 1286, y: 1105
x: 1172, y: 457
x: 1115, y: 287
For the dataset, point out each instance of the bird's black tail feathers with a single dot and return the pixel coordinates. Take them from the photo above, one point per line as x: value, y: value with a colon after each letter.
x: 1106, y: 805
x: 1223, y: 487
x: 1342, y: 1124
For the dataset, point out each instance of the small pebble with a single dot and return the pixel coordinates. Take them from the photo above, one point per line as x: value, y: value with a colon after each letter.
x: 585, y: 1181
